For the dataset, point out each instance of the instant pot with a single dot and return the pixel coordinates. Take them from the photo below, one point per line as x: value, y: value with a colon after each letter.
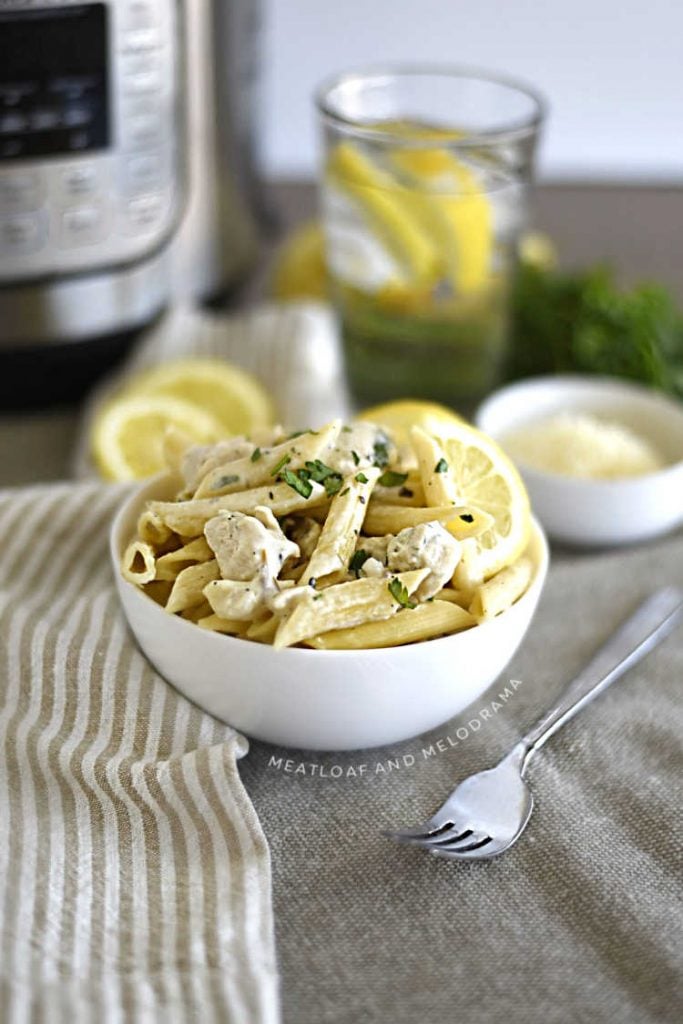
x: 94, y: 150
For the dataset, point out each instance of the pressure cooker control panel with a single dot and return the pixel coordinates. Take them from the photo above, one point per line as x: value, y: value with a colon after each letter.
x: 89, y: 134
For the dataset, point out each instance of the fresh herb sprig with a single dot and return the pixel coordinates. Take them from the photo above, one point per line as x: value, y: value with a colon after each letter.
x: 584, y: 323
x: 400, y: 593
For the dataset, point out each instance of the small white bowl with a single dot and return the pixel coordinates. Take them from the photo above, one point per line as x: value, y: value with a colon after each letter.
x: 321, y: 700
x: 597, y: 512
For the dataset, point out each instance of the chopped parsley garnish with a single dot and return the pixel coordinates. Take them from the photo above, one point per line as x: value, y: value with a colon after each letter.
x: 345, y: 491
x: 346, y: 430
x: 325, y: 475
x: 279, y: 464
x: 381, y: 452
x: 441, y: 466
x: 399, y: 593
x: 391, y: 479
x: 300, y: 433
x: 356, y: 457
x: 332, y: 484
x: 358, y: 560
x: 301, y: 486
x: 318, y: 596
x: 467, y: 517
x: 256, y: 454
x: 225, y: 481
x: 361, y: 478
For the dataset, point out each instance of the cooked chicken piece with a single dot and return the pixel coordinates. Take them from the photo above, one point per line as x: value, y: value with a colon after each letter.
x: 247, y: 547
x: 427, y: 546
x: 200, y: 458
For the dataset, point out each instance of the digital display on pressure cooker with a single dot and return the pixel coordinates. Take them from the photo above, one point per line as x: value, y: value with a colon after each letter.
x: 53, y: 81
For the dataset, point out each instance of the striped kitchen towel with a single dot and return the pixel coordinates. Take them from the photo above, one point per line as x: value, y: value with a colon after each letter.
x: 135, y: 875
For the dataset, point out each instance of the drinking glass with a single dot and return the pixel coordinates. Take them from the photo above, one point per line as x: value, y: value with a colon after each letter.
x: 424, y: 192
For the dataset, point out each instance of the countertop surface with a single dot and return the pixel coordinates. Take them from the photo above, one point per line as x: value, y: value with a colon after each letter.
x: 635, y: 228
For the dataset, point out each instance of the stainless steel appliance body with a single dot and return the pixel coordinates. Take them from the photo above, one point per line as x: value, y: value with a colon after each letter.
x: 90, y: 166
x: 218, y: 238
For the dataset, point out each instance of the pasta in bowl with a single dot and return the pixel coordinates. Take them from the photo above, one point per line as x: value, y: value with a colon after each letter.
x: 328, y: 590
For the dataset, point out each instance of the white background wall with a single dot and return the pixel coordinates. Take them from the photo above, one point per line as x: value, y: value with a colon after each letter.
x: 611, y: 69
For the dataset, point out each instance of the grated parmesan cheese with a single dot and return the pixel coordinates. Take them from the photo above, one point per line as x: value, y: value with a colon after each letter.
x: 581, y: 445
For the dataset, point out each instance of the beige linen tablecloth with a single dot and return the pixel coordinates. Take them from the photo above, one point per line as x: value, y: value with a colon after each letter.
x: 582, y: 921
x: 135, y: 875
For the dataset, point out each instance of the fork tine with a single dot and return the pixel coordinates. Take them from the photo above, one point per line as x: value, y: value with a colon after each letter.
x: 471, y: 851
x: 433, y: 827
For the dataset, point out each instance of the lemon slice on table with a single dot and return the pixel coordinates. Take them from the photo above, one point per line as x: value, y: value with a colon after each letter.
x: 231, y: 395
x: 127, y: 436
x: 481, y: 474
x: 398, y: 417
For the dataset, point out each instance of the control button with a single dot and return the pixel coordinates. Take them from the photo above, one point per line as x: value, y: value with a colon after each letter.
x: 145, y: 213
x: 20, y: 192
x: 144, y: 172
x: 141, y: 39
x: 79, y: 180
x: 82, y: 225
x: 140, y: 14
x: 21, y: 234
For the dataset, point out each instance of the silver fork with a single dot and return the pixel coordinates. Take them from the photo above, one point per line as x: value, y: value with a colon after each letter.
x: 488, y: 811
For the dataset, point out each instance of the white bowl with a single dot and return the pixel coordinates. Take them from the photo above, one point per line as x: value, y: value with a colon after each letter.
x: 321, y: 700
x: 597, y: 512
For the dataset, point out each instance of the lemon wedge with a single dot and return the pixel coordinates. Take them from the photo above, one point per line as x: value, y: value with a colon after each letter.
x: 454, y: 211
x: 478, y: 473
x: 399, y: 417
x: 229, y: 394
x: 127, y: 436
x: 300, y: 271
x: 386, y: 205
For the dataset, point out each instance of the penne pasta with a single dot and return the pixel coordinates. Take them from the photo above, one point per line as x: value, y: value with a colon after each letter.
x: 461, y: 597
x: 188, y: 518
x: 409, y: 492
x: 422, y: 623
x: 501, y: 591
x: 438, y: 484
x: 342, y: 526
x: 335, y: 539
x: 249, y: 472
x: 138, y: 564
x: 235, y: 599
x: 345, y: 605
x: 218, y: 625
x: 467, y: 575
x: 462, y: 520
x: 159, y: 591
x: 152, y: 529
x: 169, y: 565
x: 188, y: 588
x: 264, y: 631
x: 196, y: 612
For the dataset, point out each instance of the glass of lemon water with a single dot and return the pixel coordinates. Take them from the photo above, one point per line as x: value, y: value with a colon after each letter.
x: 424, y: 192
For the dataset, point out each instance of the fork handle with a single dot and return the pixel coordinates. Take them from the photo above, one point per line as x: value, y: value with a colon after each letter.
x: 635, y: 638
